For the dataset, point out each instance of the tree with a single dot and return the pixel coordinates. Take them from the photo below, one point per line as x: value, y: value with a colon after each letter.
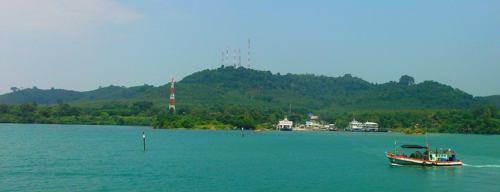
x: 4, y: 108
x: 142, y: 106
x: 14, y: 89
x: 66, y: 110
x: 406, y: 80
x: 27, y: 108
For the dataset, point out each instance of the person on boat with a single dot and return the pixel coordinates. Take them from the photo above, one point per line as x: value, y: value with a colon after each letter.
x: 426, y: 155
x: 418, y: 155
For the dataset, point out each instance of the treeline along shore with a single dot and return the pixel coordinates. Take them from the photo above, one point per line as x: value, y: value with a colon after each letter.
x: 229, y: 97
x: 483, y: 119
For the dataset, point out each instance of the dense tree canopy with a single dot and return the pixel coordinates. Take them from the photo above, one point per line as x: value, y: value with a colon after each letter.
x: 483, y: 119
x: 230, y: 97
x: 229, y: 85
x: 406, y: 80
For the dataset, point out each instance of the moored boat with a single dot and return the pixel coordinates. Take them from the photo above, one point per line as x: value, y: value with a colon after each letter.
x: 425, y: 158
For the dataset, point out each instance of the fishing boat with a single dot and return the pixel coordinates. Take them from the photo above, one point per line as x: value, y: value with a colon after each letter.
x: 423, y: 156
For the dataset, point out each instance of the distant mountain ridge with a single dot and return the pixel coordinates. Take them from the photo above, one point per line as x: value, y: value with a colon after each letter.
x: 493, y: 99
x: 53, y: 96
x: 241, y: 86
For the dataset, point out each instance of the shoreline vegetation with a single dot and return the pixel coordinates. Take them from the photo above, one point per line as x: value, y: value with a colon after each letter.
x: 229, y: 97
x: 409, y: 131
x: 483, y: 119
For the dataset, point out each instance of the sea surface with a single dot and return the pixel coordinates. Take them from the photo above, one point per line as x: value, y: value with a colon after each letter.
x: 111, y: 158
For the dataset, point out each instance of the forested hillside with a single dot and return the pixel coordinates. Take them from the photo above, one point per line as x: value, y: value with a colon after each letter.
x: 237, y: 97
x: 494, y: 99
x: 241, y: 86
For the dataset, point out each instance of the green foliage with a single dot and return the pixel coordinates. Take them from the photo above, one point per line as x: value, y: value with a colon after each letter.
x: 494, y: 99
x: 229, y: 97
x: 67, y: 114
x: 481, y: 119
x: 236, y: 86
x: 406, y: 80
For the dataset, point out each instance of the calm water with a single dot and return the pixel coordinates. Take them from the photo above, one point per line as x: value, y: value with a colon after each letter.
x: 110, y: 158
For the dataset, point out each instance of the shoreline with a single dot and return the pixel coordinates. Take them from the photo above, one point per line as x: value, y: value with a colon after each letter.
x: 250, y: 130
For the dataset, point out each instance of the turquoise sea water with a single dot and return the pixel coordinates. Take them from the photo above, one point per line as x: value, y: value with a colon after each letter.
x: 111, y: 158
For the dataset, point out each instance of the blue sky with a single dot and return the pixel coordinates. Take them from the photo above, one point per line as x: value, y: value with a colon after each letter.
x: 83, y: 44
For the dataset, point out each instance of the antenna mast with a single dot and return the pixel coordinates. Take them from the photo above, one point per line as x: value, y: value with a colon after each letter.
x: 248, y: 56
x: 222, y: 58
x: 239, y: 57
x: 227, y: 56
x: 234, y: 57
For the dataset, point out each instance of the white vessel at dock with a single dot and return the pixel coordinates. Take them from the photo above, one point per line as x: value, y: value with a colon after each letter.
x: 357, y: 126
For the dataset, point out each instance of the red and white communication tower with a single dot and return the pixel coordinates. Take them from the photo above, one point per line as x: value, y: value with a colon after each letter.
x: 171, y: 103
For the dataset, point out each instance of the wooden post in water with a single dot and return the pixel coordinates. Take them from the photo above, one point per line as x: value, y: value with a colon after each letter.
x: 144, y: 140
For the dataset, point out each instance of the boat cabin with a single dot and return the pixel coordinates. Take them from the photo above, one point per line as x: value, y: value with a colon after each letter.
x: 430, y: 155
x: 370, y: 126
x: 355, y: 126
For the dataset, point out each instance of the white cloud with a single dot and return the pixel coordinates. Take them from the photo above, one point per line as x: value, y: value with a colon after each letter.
x: 64, y: 17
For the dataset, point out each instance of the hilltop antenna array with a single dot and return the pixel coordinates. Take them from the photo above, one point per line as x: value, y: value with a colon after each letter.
x: 236, y: 57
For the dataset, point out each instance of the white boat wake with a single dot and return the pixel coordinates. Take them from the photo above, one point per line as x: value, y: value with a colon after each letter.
x: 482, y: 166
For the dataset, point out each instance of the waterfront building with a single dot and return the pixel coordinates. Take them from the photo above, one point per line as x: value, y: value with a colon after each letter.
x: 284, y: 125
x: 314, y: 123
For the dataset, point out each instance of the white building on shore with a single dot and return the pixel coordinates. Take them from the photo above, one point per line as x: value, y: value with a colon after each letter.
x: 284, y: 125
x: 313, y: 123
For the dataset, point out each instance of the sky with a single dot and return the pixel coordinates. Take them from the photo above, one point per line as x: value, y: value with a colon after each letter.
x: 84, y: 44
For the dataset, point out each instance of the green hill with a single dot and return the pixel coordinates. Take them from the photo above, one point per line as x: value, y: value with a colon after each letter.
x: 320, y: 92
x: 494, y: 99
x: 53, y: 96
x: 241, y: 86
x: 230, y: 97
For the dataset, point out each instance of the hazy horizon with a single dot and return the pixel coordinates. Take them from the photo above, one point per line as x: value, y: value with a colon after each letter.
x: 83, y: 44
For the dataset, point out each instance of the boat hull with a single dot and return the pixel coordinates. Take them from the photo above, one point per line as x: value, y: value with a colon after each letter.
x: 401, y: 160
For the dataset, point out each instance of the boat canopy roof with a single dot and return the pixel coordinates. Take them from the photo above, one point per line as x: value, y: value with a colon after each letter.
x: 413, y: 146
